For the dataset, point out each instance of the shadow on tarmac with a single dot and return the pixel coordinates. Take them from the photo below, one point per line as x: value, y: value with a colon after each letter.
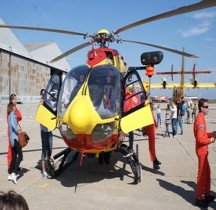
x: 188, y: 195
x: 151, y: 170
x: 90, y: 172
x: 76, y: 175
x: 22, y: 172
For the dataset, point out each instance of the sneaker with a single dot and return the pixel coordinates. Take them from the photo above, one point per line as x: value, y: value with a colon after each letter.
x: 14, y: 178
x: 201, y: 203
x: 157, y: 162
x: 45, y: 175
x: 209, y: 198
x: 155, y: 166
x: 10, y: 178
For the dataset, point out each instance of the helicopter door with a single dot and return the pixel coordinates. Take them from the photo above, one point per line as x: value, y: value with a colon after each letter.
x: 47, y: 111
x: 136, y: 111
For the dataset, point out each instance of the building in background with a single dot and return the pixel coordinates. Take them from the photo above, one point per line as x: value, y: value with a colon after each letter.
x: 25, y: 69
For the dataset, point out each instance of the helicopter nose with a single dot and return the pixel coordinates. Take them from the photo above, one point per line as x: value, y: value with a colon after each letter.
x: 80, y: 117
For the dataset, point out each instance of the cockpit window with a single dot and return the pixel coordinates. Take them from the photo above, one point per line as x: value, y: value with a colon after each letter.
x: 51, y: 93
x: 104, y: 90
x: 71, y: 85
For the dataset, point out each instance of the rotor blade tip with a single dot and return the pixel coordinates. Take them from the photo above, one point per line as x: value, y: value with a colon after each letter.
x: 194, y: 56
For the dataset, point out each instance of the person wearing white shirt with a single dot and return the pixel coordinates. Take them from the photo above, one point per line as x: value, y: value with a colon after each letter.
x: 173, y: 110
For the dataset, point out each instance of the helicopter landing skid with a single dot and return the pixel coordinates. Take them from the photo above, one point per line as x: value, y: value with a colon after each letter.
x: 54, y: 169
x: 133, y: 162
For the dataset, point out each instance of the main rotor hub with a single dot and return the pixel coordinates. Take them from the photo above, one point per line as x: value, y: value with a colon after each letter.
x: 103, y: 36
x: 103, y: 31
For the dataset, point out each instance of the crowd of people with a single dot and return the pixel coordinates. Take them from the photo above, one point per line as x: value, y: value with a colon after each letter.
x: 174, y: 114
x: 178, y: 113
x: 195, y: 113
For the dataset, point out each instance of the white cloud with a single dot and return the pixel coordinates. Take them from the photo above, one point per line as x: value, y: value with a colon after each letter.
x: 204, y: 15
x: 204, y: 25
x: 196, y: 30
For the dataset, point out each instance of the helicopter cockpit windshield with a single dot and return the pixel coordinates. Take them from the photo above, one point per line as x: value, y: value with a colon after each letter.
x: 104, y: 90
x: 71, y: 85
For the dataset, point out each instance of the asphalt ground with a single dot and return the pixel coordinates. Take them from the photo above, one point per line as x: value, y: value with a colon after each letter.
x: 94, y: 186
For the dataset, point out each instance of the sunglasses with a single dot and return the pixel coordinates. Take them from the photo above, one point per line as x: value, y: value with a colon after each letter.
x: 206, y: 107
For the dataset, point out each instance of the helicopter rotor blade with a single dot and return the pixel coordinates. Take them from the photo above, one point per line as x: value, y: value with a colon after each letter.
x: 163, y: 48
x: 44, y: 29
x: 181, y: 10
x: 79, y: 47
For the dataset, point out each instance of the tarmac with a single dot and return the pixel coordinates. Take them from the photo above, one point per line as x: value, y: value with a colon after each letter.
x: 91, y: 186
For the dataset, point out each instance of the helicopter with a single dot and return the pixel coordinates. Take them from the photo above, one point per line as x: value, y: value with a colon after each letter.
x: 88, y: 108
x: 88, y: 105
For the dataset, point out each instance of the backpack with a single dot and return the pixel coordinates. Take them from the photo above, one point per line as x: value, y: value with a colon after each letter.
x: 182, y: 110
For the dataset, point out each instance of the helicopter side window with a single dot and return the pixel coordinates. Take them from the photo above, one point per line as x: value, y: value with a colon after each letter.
x: 135, y: 94
x: 131, y: 100
x: 51, y: 93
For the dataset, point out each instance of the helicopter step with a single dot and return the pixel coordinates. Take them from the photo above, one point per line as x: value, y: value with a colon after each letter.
x: 133, y: 161
x: 54, y: 169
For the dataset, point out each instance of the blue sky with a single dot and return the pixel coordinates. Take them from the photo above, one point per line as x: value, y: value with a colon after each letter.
x: 196, y: 31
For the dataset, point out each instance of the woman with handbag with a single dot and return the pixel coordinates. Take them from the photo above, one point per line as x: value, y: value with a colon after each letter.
x: 12, y: 99
x: 16, y: 148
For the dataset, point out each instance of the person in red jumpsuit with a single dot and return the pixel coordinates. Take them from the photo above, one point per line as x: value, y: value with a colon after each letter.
x: 150, y: 131
x: 203, y: 139
x: 12, y: 99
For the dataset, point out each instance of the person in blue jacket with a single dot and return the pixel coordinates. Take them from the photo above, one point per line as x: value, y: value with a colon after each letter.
x: 17, y: 155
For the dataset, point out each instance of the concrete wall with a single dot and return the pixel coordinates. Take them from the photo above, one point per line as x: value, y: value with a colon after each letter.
x: 21, y: 76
